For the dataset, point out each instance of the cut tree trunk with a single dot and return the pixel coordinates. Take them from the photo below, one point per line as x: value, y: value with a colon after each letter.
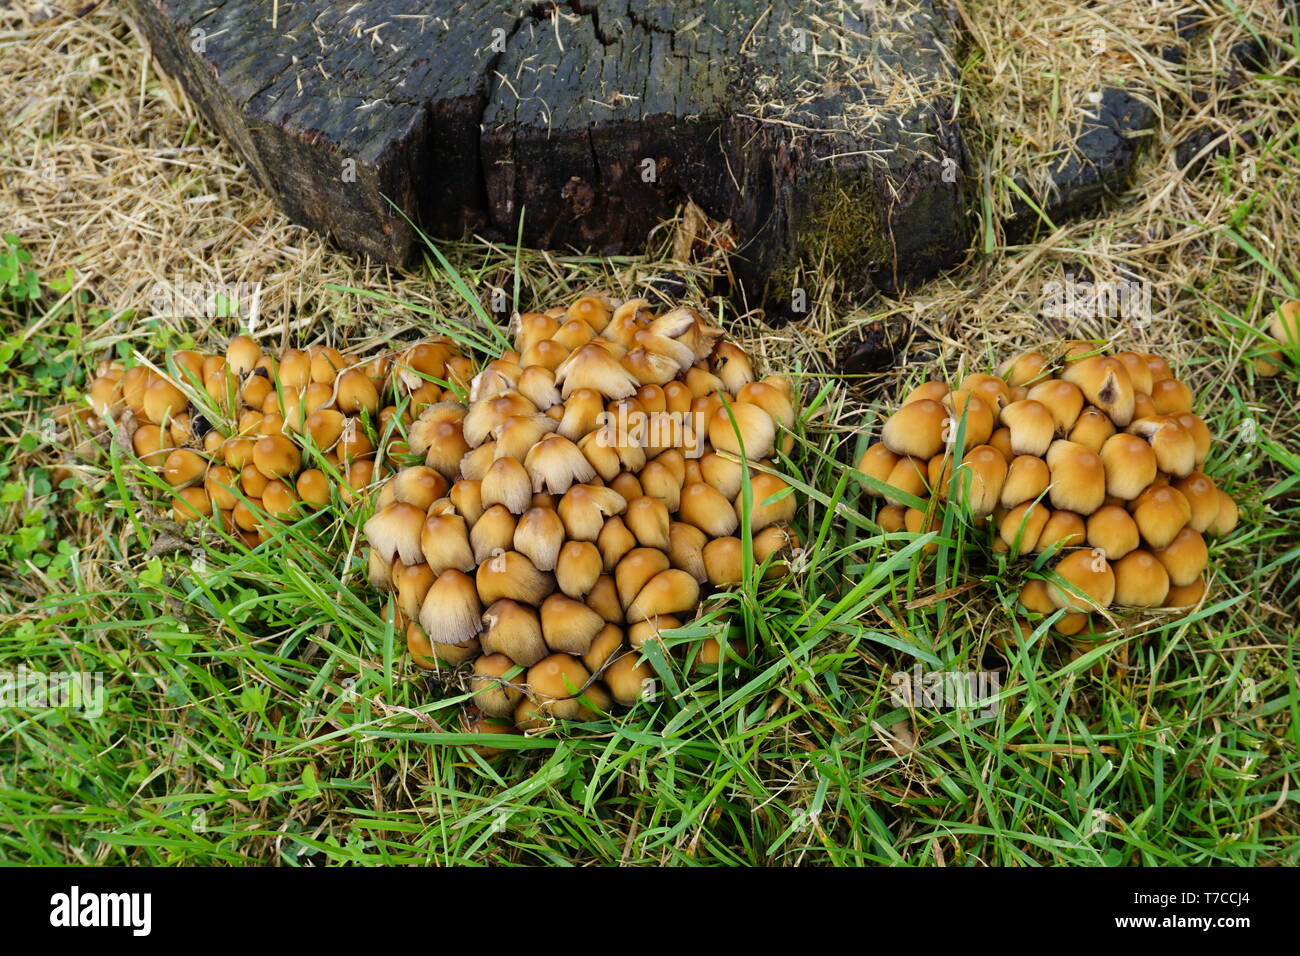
x: 821, y: 129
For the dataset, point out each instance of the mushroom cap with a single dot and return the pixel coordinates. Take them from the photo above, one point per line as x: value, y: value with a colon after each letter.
x: 723, y: 561
x: 467, y: 497
x: 659, y: 481
x: 1171, y: 397
x: 686, y: 545
x: 920, y: 522
x: 1034, y: 597
x: 1184, y: 558
x: 1161, y: 512
x: 1064, y: 529
x: 916, y: 429
x: 517, y: 435
x: 877, y: 462
x: 511, y: 575
x: 603, y: 599
x: 911, y: 476
x: 1088, y: 572
x: 355, y: 392
x: 614, y: 541
x: 494, y: 694
x: 394, y: 532
x: 507, y: 483
x: 1078, y: 477
x: 1188, y: 595
x: 1063, y: 400
x: 1130, y: 466
x: 704, y: 506
x: 980, y: 478
x: 419, y: 485
x: 242, y: 355
x: 539, y: 535
x: 607, y: 642
x: 1112, y: 531
x: 1022, y: 525
x: 971, y: 416
x: 486, y: 415
x: 647, y: 518
x: 593, y: 367
x: 426, y: 655
x: 1285, y: 324
x: 451, y: 612
x: 1195, y: 426
x: 569, y: 625
x: 556, y: 464
x: 934, y: 391
x: 1203, y: 498
x: 771, y: 399
x: 584, y: 508
x: 669, y: 592
x: 252, y: 482
x: 1105, y: 383
x: 992, y: 390
x: 1027, y: 479
x: 772, y: 501
x: 191, y: 504
x: 220, y: 483
x: 183, y: 467
x: 578, y: 568
x: 1140, y: 580
x: 162, y: 401
x: 1031, y: 426
x: 1139, y: 372
x: 1092, y: 428
x: 1025, y: 369
x: 1001, y: 440
x: 752, y: 433
x: 276, y: 456
x: 724, y: 472
x: 279, y: 499
x: 412, y: 583
x: 636, y: 568
x: 1174, y: 447
x: 493, y: 531
x: 1225, y: 519
x: 515, y: 631
x: 554, y: 684
x: 891, y: 518
x: 628, y: 678
x: 775, y: 540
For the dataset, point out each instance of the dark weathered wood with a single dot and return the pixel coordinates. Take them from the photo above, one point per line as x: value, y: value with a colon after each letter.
x: 829, y: 148
x: 1100, y: 163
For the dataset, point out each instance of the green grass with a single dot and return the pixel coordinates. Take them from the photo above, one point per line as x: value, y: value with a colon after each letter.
x: 258, y: 709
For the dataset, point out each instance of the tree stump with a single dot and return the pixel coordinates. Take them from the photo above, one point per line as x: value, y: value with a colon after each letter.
x: 821, y: 129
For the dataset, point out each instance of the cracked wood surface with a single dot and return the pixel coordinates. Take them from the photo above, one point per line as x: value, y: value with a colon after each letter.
x: 820, y: 128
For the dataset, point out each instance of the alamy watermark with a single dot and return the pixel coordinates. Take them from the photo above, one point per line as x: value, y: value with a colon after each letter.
x: 629, y: 427
x: 28, y: 689
x: 946, y: 690
x: 1128, y: 299
x: 184, y: 299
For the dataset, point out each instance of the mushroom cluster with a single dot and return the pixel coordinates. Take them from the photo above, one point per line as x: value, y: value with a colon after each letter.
x: 246, y: 439
x: 606, y: 470
x: 1091, y: 456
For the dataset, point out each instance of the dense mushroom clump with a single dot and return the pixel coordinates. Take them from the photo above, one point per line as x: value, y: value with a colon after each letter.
x: 1094, y: 457
x: 581, y: 503
x: 247, y: 439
